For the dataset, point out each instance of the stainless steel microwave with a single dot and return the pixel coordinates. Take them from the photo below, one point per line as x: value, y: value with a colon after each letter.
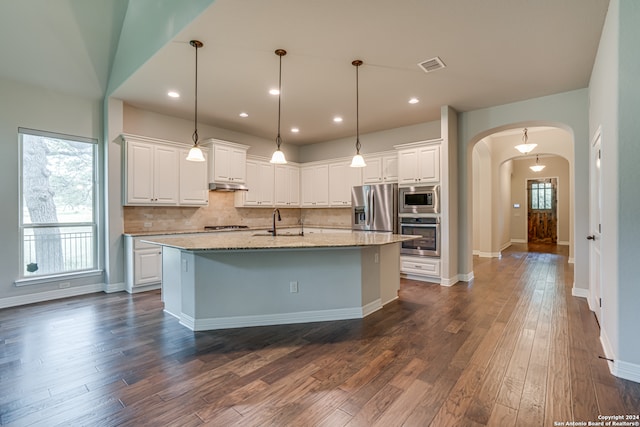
x: 419, y: 200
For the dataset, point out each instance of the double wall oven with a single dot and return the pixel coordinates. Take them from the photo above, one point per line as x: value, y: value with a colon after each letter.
x: 419, y: 215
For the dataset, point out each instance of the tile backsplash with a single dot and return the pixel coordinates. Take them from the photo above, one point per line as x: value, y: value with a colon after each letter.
x: 221, y: 211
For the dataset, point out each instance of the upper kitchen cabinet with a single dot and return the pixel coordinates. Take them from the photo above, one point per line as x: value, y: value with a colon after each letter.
x: 260, y: 183
x: 229, y: 161
x: 381, y: 169
x: 315, y: 185
x: 419, y: 163
x: 194, y: 181
x: 342, y: 178
x: 152, y: 172
x: 287, y: 186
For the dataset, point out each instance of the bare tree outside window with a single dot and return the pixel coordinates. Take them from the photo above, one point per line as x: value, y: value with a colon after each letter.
x: 58, y: 225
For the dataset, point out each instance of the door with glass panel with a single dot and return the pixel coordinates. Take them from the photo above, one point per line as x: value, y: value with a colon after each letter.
x: 542, y: 210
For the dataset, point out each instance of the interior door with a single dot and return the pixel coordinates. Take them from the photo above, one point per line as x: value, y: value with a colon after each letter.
x: 542, y: 210
x: 595, y: 225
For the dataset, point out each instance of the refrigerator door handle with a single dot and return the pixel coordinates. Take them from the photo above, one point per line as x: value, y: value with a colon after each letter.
x: 373, y: 208
x: 368, y: 210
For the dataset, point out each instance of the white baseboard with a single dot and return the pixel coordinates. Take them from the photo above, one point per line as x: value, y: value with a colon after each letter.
x: 450, y: 281
x: 579, y: 292
x: 571, y: 261
x: 619, y: 368
x: 562, y: 243
x: 518, y: 241
x: 50, y: 295
x: 279, y: 319
x: 114, y: 287
x: 489, y: 254
x: 505, y: 246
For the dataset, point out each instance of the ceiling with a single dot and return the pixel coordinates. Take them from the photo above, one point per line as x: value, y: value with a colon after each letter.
x: 495, y: 51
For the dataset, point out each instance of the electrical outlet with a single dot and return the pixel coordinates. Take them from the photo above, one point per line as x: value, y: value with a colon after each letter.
x: 293, y: 287
x: 64, y: 285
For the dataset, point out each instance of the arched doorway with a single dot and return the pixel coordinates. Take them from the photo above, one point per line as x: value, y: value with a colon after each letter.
x: 498, y: 184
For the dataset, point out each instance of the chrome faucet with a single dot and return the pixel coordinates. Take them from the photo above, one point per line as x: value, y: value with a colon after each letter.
x: 276, y: 211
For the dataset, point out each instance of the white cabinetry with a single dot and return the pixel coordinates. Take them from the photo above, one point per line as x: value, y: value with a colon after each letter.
x: 143, y: 265
x: 260, y: 183
x: 381, y: 169
x: 342, y: 178
x: 420, y: 268
x: 287, y: 185
x: 419, y: 165
x: 315, y: 185
x: 229, y: 161
x: 151, y: 173
x: 194, y: 181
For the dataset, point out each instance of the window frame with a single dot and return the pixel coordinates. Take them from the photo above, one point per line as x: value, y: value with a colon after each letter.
x: 94, y: 224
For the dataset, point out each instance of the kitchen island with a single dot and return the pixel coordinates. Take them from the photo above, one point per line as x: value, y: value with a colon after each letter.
x: 223, y: 280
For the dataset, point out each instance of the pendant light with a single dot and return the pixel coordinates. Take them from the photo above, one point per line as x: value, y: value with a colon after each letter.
x: 195, y: 154
x: 358, y: 160
x: 525, y: 147
x: 278, y: 155
x: 537, y: 167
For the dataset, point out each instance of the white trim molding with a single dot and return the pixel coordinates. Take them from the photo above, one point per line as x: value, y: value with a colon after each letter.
x: 619, y: 368
x: 580, y: 292
x: 50, y: 295
x: 114, y: 287
x: 279, y: 319
x: 450, y: 281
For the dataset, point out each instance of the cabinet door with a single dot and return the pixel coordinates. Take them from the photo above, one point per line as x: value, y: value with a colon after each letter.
x: 429, y: 164
x: 407, y: 166
x: 251, y: 197
x: 294, y: 186
x: 265, y: 176
x: 139, y: 173
x: 338, y: 182
x: 390, y: 168
x: 222, y: 163
x: 194, y: 185
x: 286, y: 190
x: 315, y: 185
x: 166, y: 175
x: 372, y: 173
x: 148, y: 266
x: 238, y: 162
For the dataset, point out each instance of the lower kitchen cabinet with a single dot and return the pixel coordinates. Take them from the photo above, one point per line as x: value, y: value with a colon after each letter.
x: 420, y: 268
x: 143, y: 265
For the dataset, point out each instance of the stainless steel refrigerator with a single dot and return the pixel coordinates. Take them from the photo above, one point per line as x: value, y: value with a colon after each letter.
x: 374, y: 207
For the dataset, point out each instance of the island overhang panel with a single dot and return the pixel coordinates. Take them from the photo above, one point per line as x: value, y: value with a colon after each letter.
x: 208, y: 285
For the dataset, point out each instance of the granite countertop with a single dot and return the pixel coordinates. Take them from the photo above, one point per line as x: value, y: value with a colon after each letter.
x: 262, y: 240
x: 202, y: 231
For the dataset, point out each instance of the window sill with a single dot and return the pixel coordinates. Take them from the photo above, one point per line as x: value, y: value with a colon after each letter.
x: 56, y: 277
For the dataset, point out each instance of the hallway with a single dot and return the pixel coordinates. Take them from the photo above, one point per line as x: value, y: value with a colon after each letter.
x: 513, y: 347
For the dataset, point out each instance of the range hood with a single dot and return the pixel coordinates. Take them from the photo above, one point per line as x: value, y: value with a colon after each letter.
x: 227, y: 186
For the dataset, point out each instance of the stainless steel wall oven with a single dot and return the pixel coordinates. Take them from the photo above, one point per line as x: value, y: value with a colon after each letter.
x: 428, y: 228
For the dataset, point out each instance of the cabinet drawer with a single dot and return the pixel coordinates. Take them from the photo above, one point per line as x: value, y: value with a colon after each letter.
x: 420, y: 266
x: 139, y: 244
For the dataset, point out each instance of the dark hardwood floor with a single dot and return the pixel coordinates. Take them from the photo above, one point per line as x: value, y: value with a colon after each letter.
x: 513, y: 347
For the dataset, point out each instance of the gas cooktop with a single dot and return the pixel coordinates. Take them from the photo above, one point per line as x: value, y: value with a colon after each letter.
x: 225, y: 227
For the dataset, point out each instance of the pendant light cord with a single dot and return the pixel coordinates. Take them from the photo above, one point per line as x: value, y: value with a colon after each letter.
x: 278, y: 139
x: 196, y: 44
x: 357, y: 63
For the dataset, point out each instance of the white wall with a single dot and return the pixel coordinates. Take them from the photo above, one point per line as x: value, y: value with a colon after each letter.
x: 615, y: 102
x: 22, y: 105
x: 373, y: 142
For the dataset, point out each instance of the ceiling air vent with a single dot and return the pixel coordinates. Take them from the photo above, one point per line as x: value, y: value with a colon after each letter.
x: 431, y: 64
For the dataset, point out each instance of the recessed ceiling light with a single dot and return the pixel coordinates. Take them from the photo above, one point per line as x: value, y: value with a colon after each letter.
x: 337, y: 119
x: 295, y: 130
x: 243, y: 114
x: 173, y: 94
x: 274, y: 91
x: 414, y: 101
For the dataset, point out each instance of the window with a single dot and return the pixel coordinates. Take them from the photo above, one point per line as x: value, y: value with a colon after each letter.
x: 57, y: 204
x: 541, y: 195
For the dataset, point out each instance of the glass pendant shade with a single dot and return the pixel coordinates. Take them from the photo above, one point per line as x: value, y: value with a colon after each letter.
x: 526, y: 148
x: 278, y: 158
x: 195, y: 154
x: 358, y: 161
